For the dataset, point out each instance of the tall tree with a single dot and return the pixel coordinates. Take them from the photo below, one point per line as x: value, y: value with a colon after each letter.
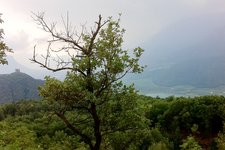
x: 3, y: 47
x: 92, y: 100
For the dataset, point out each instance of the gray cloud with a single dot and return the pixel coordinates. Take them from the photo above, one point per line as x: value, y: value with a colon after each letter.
x: 142, y: 19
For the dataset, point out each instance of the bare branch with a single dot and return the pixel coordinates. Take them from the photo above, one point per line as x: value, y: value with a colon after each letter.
x: 39, y: 18
x: 86, y: 139
x: 105, y: 84
x: 95, y: 33
x: 58, y: 37
x: 45, y: 65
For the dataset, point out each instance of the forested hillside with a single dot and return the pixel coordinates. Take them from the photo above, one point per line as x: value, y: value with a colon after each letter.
x: 170, y: 124
x: 17, y: 86
x: 92, y: 108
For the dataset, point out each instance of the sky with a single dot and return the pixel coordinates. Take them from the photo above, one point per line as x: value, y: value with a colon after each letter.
x: 142, y: 19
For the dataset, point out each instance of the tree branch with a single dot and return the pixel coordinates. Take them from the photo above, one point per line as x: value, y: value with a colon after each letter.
x: 95, y: 33
x: 85, y: 138
x: 40, y: 20
x: 45, y: 65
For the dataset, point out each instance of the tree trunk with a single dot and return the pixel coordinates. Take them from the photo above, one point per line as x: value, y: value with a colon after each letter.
x: 98, y: 136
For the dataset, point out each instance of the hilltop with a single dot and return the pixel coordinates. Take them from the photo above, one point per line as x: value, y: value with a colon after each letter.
x: 17, y: 86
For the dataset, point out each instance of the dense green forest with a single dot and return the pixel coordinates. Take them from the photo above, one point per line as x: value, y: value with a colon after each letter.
x: 93, y: 109
x: 17, y: 86
x: 171, y: 123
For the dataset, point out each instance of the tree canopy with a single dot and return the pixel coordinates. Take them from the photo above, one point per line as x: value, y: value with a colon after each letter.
x: 3, y: 47
x: 92, y: 100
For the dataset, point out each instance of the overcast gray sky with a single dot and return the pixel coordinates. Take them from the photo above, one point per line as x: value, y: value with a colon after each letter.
x: 142, y: 19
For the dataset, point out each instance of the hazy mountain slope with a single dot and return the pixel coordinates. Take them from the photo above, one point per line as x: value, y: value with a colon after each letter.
x: 198, y: 37
x: 191, y: 52
x: 17, y: 85
x: 198, y: 73
x: 37, y: 74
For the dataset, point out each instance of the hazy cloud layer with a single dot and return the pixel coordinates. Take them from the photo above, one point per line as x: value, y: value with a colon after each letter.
x: 142, y: 19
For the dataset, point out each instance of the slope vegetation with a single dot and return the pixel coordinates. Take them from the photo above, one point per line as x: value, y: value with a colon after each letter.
x: 17, y: 85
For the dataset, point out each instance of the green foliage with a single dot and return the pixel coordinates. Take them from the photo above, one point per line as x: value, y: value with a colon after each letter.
x: 13, y: 136
x: 220, y: 140
x: 190, y: 144
x: 32, y: 125
x: 156, y: 140
x: 17, y: 86
x: 158, y: 146
x: 3, y: 47
x: 92, y: 101
x: 179, y: 117
x: 200, y: 111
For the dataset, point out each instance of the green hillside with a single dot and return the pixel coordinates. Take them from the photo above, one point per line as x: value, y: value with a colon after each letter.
x: 17, y: 86
x: 172, y: 123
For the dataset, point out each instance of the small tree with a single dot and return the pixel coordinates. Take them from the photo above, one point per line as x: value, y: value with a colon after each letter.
x: 190, y: 144
x: 92, y: 100
x: 3, y: 47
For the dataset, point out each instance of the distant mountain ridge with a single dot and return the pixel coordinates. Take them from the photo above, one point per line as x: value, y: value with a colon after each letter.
x: 190, y: 52
x: 200, y: 73
x: 17, y: 86
x: 35, y: 73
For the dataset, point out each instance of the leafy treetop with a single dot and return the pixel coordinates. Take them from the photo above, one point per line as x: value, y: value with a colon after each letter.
x: 3, y: 47
x: 92, y: 100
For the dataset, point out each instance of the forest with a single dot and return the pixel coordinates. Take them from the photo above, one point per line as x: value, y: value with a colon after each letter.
x: 171, y: 123
x: 93, y: 109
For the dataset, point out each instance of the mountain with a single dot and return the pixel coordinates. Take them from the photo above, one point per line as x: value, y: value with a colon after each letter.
x: 190, y: 52
x: 201, y: 73
x: 17, y: 86
x: 36, y: 73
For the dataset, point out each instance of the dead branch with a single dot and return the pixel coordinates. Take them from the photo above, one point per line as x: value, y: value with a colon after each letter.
x: 45, y: 65
x: 95, y: 33
x: 74, y: 48
x: 39, y: 18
